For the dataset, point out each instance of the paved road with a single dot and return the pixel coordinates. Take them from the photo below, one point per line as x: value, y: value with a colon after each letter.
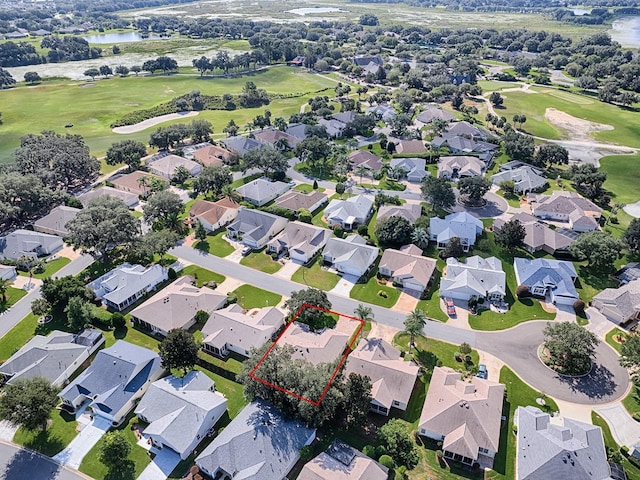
x: 20, y: 464
x: 517, y: 347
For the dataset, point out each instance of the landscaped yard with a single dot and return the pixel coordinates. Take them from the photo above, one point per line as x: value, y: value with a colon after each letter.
x: 632, y: 401
x: 215, y: 245
x: 254, y: 297
x: 306, y: 188
x: 52, y: 440
x: 12, y: 296
x: 202, y: 275
x: 429, y: 352
x: 18, y: 336
x: 614, y: 342
x: 261, y: 261
x: 316, y: 277
x: 50, y: 268
x: 633, y: 472
x: 373, y: 292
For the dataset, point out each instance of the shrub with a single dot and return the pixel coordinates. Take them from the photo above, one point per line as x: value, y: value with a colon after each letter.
x: 382, y: 293
x: 464, y: 348
x: 579, y: 306
x: 306, y: 452
x: 457, y: 356
x: 315, y: 185
x: 304, y: 215
x: 369, y: 451
x: 387, y: 461
x: 231, y: 298
x: 636, y: 416
x: 171, y: 273
x: 522, y: 291
x: 380, y: 450
x: 483, y: 245
x: 363, y: 230
x: 118, y: 320
x: 338, y: 232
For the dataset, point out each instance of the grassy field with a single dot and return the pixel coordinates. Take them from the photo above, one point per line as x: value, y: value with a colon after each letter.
x: 260, y: 260
x: 202, y: 275
x: 254, y: 297
x: 52, y: 440
x: 369, y: 292
x: 621, y: 181
x: 428, y: 352
x: 92, y: 106
x: 18, y: 336
x: 215, y: 245
x: 314, y: 276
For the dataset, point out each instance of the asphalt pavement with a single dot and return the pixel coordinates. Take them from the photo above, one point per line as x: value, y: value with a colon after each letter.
x: 18, y: 463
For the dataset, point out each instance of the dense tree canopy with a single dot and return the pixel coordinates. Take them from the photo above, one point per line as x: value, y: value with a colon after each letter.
x: 268, y: 159
x: 164, y: 208
x: 474, y: 188
x: 598, y: 247
x: 394, y: 231
x: 128, y: 152
x: 632, y: 235
x: 438, y: 192
x: 316, y: 318
x: 630, y: 356
x: 511, y: 234
x: 28, y: 402
x: 179, y: 350
x: 551, y: 154
x: 59, y: 291
x: 570, y: 346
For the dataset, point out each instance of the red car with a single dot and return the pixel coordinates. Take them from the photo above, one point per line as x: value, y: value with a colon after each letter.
x: 451, y: 308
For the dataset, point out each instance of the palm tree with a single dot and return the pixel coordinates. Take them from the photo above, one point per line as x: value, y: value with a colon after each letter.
x: 413, y: 325
x: 143, y: 182
x: 4, y: 285
x: 361, y: 171
x: 364, y: 313
x: 231, y: 193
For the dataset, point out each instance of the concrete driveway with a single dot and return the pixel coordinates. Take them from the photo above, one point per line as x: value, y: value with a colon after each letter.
x: 598, y: 323
x: 344, y: 286
x: 18, y: 463
x: 624, y: 428
x: 83, y: 442
x: 161, y: 466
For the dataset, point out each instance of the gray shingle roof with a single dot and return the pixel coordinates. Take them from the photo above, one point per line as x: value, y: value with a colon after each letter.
x: 526, y: 179
x: 432, y: 113
x: 262, y: 190
x: 127, y: 280
x: 259, y: 444
x: 410, y: 212
x: 343, y: 462
x: 557, y: 275
x: 481, y: 275
x: 323, y: 346
x: 460, y: 166
x: 254, y: 224
x: 55, y: 222
x: 349, y: 210
x: 294, y: 200
x: 537, y: 234
x: 26, y: 242
x: 240, y: 145
x: 624, y: 301
x: 129, y: 199
x: 351, y: 250
x: 302, y: 237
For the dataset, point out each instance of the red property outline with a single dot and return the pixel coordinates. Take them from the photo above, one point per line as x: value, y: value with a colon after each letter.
x: 335, y: 373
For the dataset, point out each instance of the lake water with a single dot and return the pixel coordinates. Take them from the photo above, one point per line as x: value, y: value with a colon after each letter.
x: 580, y: 11
x: 626, y: 31
x: 120, y: 37
x: 312, y: 10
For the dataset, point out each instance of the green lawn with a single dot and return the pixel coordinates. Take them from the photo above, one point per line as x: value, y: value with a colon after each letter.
x: 244, y: 180
x: 369, y: 293
x: 138, y: 457
x: 52, y: 440
x: 633, y: 472
x: 12, y: 296
x: 306, y: 188
x: 260, y: 260
x: 18, y: 336
x: 254, y: 297
x: 316, y: 277
x: 431, y: 304
x: 202, y: 275
x: 621, y: 181
x: 632, y: 401
x: 617, y: 346
x: 50, y: 268
x: 230, y: 389
x: 132, y: 335
x: 429, y: 352
x: 519, y: 394
x: 216, y: 245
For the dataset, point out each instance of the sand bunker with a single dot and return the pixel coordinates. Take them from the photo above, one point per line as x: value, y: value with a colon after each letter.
x: 138, y: 127
x: 574, y: 128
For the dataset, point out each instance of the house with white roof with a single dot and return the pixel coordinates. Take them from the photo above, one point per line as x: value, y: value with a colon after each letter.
x: 261, y: 191
x: 301, y: 241
x: 175, y: 306
x: 349, y: 213
x: 255, y: 228
x: 351, y: 255
x: 407, y: 267
x: 414, y: 168
x: 240, y: 145
x: 343, y: 462
x: 581, y: 214
x: 460, y: 166
x: 180, y: 412
x: 526, y: 179
x: 432, y: 113
x: 321, y: 346
x: 392, y: 379
x: 384, y: 112
x: 409, y: 211
x: 260, y: 443
x: 167, y: 165
x: 125, y: 284
x: 27, y: 243
x: 477, y: 276
x: 115, y: 380
x: 55, y: 357
x: 555, y: 278
x: 568, y: 449
x: 620, y: 305
x: 462, y: 225
x: 55, y: 222
x: 465, y: 415
x: 128, y: 198
x: 233, y: 329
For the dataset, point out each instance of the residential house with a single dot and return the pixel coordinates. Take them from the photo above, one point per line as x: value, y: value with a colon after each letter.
x: 55, y: 223
x: 136, y: 182
x: 297, y: 61
x: 115, y: 380
x: 407, y: 267
x: 628, y: 273
x: 27, y: 243
x: 392, y: 379
x: 462, y: 225
x: 240, y: 145
x: 321, y: 346
x: 55, y: 357
x: 538, y: 235
x: 411, y: 147
x: 365, y: 159
x: 581, y: 214
x: 300, y: 241
x: 180, y: 412
x: 233, y: 329
x: 297, y: 130
x: 349, y: 213
x: 369, y: 64
x: 477, y: 276
x: 295, y: 201
x: 213, y: 215
x: 255, y: 228
x: 258, y: 444
x: 175, y: 306
x: 526, y: 179
x: 414, y: 168
x: 431, y: 113
x: 334, y: 127
x: 8, y: 272
x: 345, y: 117
x: 465, y: 129
x: 351, y: 255
x: 384, y: 112
x: 213, y: 156
x: 167, y: 165
x: 620, y: 305
x: 410, y: 212
x: 343, y: 462
x: 261, y: 191
x: 124, y: 285
x: 273, y: 137
x: 460, y: 166
x: 569, y: 450
x: 553, y: 278
x: 129, y: 199
x: 460, y: 144
x: 464, y: 415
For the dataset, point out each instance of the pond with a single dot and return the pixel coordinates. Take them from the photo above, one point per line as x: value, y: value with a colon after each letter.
x: 626, y: 31
x: 312, y: 10
x: 117, y: 37
x: 580, y: 11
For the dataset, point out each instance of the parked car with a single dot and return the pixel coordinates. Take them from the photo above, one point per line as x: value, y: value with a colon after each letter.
x: 482, y: 371
x: 246, y: 251
x: 451, y: 308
